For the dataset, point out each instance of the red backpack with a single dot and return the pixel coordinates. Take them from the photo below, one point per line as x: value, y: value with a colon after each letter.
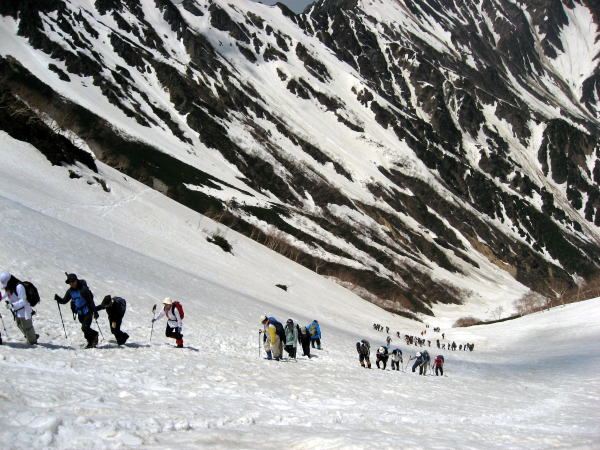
x: 177, y: 305
x: 438, y: 361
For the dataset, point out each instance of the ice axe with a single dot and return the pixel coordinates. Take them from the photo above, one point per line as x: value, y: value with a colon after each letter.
x: 152, y: 329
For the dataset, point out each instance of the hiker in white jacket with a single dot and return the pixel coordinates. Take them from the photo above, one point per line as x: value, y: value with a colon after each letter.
x: 16, y: 300
x: 174, y: 321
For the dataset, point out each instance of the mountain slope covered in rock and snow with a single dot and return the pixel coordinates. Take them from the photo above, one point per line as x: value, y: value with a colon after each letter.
x: 530, y: 383
x: 424, y: 153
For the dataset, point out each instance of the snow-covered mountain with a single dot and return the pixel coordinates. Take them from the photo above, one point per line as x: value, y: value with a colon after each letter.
x: 423, y: 153
x: 529, y: 383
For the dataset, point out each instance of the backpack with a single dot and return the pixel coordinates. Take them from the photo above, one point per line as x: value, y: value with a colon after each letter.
x: 177, y: 305
x: 313, y: 329
x: 123, y: 306
x: 33, y: 296
x: 279, y: 330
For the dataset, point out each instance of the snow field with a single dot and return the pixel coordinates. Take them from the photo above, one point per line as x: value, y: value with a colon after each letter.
x: 530, y: 383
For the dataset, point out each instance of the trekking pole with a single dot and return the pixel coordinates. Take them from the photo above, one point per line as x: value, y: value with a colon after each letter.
x: 259, y: 336
x: 152, y: 329
x: 99, y: 329
x: 4, y: 326
x: 61, y: 319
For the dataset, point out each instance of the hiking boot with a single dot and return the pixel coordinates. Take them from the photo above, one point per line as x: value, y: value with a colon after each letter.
x: 179, y: 346
x: 123, y: 339
x: 93, y: 342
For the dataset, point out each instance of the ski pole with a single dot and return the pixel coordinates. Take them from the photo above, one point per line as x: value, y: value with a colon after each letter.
x: 99, y: 329
x: 4, y: 326
x: 152, y: 329
x: 61, y: 319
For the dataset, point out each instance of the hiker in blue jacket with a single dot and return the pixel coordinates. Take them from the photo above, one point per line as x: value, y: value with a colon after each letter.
x: 82, y: 305
x: 315, y: 334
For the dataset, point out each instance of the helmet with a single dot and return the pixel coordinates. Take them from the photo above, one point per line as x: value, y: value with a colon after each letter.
x: 4, y: 278
x: 168, y: 301
x: 263, y: 318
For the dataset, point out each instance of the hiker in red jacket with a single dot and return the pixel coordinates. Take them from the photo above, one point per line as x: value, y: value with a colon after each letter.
x: 438, y: 363
x: 174, y: 313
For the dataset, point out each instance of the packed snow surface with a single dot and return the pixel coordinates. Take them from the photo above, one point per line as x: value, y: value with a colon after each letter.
x: 530, y: 383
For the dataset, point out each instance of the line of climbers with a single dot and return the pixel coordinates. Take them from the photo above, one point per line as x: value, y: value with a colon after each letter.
x: 276, y: 337
x: 422, y: 359
x: 422, y: 342
x: 22, y: 296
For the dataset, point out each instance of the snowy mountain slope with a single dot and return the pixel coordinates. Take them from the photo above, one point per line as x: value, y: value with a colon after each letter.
x: 530, y: 383
x: 427, y: 154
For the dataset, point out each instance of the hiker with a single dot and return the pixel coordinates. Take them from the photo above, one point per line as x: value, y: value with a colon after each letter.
x: 396, y: 358
x: 115, y: 308
x: 315, y: 334
x: 364, y: 349
x: 291, y: 338
x: 173, y: 312
x: 274, y: 337
x: 424, y: 366
x: 382, y: 356
x: 438, y: 363
x: 304, y: 338
x: 388, y: 340
x: 17, y: 302
x: 82, y: 305
x: 421, y: 360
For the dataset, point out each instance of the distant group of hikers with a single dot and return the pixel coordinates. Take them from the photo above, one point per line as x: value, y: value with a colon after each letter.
x: 276, y: 337
x: 22, y: 296
x: 422, y: 359
x: 422, y: 342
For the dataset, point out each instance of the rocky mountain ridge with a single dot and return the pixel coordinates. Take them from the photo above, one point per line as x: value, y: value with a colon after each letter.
x: 420, y: 152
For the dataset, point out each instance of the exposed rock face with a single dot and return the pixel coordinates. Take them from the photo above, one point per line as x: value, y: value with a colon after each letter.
x: 410, y: 148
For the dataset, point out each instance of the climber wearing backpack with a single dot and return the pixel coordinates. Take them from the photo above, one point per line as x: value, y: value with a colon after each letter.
x: 424, y: 366
x: 364, y: 349
x: 304, y: 338
x: 438, y: 363
x: 174, y: 313
x: 419, y: 358
x: 396, y: 358
x: 382, y: 357
x: 115, y: 308
x: 20, y: 297
x: 274, y: 337
x: 291, y: 338
x: 82, y: 305
x: 315, y: 334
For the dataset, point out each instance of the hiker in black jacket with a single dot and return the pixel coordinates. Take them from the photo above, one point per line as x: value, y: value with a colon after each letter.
x: 115, y: 308
x: 82, y: 304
